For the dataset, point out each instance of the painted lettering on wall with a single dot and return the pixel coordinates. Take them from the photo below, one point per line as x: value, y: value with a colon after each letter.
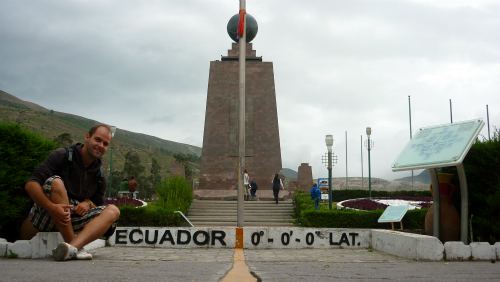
x: 164, y: 236
x: 306, y: 239
x: 253, y: 237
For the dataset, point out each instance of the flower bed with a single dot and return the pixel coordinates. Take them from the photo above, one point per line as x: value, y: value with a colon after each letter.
x: 382, y: 203
x: 124, y: 202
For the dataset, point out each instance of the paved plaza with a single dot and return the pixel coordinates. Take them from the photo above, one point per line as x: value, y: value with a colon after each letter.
x: 150, y: 264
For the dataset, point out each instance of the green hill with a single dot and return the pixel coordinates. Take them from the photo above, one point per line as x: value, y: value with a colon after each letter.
x: 52, y: 124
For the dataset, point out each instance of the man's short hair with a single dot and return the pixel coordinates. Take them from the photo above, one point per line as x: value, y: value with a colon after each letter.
x: 93, y: 129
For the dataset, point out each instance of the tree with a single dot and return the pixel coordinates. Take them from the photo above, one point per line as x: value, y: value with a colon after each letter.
x: 155, y: 172
x: 63, y: 140
x: 132, y: 166
x: 187, y: 161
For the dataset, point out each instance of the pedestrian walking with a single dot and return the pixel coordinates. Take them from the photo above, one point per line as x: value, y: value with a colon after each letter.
x: 277, y: 186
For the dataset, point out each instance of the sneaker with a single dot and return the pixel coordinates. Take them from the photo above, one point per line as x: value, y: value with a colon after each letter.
x: 64, y: 251
x: 83, y: 255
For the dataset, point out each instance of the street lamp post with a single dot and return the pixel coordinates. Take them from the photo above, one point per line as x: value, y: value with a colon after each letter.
x: 110, y: 176
x: 329, y: 145
x: 369, y: 147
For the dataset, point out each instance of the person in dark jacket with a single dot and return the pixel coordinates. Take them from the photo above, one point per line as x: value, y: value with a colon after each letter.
x: 277, y: 186
x: 253, y: 189
x: 68, y: 193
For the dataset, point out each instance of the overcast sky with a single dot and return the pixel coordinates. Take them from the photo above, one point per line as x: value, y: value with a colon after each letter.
x: 338, y: 65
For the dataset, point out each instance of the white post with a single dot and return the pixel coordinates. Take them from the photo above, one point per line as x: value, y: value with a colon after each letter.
x: 362, y: 179
x: 346, y: 173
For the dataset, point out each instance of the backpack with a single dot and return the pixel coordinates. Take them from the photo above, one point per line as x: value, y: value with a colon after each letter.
x: 315, y: 193
x: 318, y: 193
x: 69, y: 160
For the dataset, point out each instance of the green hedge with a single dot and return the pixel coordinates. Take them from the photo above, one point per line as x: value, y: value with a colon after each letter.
x: 414, y: 219
x: 308, y: 217
x: 20, y: 152
x: 149, y: 216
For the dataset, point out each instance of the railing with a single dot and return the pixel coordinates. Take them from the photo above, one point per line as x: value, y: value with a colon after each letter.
x: 182, y: 214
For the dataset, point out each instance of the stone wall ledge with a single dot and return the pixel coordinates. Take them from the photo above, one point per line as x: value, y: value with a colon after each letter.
x: 407, y: 245
x: 401, y: 244
x: 40, y: 246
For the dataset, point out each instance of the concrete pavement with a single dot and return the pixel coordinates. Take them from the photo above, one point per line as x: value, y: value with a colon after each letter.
x: 161, y: 264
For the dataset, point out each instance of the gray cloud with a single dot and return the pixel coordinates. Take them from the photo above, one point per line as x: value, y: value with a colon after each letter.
x: 339, y: 66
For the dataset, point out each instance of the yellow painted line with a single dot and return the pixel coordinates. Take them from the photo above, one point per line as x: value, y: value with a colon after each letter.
x: 240, y: 270
x: 238, y: 244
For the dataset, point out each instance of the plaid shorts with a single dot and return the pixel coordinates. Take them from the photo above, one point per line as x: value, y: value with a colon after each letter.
x: 42, y: 220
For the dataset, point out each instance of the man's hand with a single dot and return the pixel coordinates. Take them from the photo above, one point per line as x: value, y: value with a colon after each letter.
x: 61, y: 214
x: 82, y: 208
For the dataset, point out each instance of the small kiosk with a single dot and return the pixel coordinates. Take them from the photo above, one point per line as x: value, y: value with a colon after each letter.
x: 442, y: 146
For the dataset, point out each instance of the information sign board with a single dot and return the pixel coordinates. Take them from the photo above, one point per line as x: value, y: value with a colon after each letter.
x: 393, y: 214
x: 323, y: 187
x: 438, y: 146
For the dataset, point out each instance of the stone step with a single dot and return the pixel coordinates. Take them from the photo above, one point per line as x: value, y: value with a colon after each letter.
x: 250, y: 218
x: 235, y: 201
x: 218, y: 208
x: 257, y: 213
x: 291, y: 207
x: 246, y: 204
x: 234, y: 218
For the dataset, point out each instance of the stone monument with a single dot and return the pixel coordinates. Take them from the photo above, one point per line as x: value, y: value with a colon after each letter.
x: 219, y: 157
x: 304, y: 177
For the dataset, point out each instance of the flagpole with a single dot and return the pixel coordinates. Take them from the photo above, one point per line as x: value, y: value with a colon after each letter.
x: 411, y: 136
x: 241, y: 138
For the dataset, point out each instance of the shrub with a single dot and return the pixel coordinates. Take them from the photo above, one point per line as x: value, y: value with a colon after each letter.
x: 414, y: 219
x: 174, y: 193
x: 482, y: 167
x: 20, y: 152
x: 151, y: 215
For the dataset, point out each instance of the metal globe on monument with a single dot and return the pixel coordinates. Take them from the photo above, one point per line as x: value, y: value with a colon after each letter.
x: 251, y: 28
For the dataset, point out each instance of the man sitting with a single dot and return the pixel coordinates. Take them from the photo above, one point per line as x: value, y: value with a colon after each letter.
x: 68, y: 192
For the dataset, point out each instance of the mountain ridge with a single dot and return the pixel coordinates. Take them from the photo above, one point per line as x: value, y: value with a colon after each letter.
x: 51, y: 124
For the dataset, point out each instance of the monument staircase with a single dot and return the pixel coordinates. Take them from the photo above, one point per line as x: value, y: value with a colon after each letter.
x: 257, y: 213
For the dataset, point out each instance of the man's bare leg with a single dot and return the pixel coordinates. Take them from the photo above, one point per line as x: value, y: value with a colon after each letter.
x: 96, y: 227
x: 59, y: 195
x: 27, y: 230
